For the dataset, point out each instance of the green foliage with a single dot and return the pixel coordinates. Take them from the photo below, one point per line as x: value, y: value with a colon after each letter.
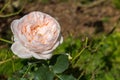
x: 116, y: 3
x: 61, y: 65
x: 43, y: 73
x: 99, y: 58
x: 8, y: 64
x: 76, y: 59
x: 105, y: 19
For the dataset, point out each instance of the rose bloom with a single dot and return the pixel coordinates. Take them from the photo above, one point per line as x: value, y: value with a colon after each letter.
x: 35, y: 35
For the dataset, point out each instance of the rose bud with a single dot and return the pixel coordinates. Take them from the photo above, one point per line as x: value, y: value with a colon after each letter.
x: 35, y: 35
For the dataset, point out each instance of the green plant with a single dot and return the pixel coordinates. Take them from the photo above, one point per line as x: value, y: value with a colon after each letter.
x: 116, y: 3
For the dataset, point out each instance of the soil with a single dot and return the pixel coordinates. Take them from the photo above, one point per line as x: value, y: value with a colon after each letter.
x: 74, y: 17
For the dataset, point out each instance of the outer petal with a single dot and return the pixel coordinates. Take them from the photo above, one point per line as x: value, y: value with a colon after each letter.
x: 41, y: 56
x: 48, y: 54
x: 20, y: 50
x: 14, y: 26
x: 54, y: 47
x: 16, y: 29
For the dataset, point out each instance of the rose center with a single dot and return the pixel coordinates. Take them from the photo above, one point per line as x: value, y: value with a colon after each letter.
x: 35, y: 32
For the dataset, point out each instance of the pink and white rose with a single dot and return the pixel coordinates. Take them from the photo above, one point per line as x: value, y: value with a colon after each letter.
x: 35, y: 35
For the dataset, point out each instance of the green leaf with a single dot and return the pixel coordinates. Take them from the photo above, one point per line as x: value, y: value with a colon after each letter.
x: 66, y: 77
x: 61, y: 65
x: 43, y: 73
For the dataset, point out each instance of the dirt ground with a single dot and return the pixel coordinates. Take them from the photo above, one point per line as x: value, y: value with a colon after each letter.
x: 74, y: 17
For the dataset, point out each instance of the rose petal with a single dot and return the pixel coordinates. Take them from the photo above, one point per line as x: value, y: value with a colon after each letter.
x: 54, y: 47
x: 20, y: 50
x: 14, y: 26
x: 42, y: 56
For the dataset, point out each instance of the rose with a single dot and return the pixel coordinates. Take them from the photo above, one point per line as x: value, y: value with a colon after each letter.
x: 35, y: 35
